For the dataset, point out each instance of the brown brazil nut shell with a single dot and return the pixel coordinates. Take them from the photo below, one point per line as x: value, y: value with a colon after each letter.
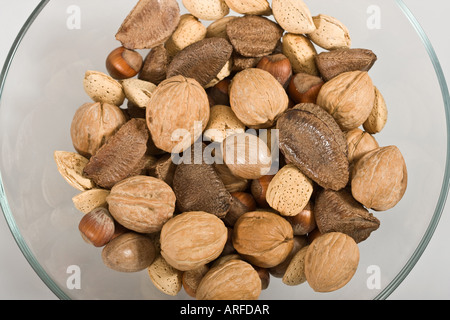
x: 331, y: 261
x: 129, y: 252
x: 338, y: 211
x: 141, y: 203
x: 263, y: 238
x: 380, y: 178
x: 198, y: 187
x: 308, y: 125
x: 349, y: 98
x: 192, y: 239
x: 123, y: 155
x: 201, y: 60
x: 178, y: 103
x: 149, y: 24
x: 231, y: 280
x: 333, y: 63
x: 254, y: 36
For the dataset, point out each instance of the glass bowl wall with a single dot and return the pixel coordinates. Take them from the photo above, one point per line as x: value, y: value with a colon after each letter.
x: 41, y: 87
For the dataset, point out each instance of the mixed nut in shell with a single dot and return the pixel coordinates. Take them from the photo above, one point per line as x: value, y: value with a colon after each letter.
x: 239, y: 148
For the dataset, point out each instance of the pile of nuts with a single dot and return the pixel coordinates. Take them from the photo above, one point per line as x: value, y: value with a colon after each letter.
x: 222, y: 229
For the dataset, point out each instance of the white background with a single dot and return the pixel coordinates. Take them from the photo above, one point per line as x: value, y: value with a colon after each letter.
x: 430, y: 279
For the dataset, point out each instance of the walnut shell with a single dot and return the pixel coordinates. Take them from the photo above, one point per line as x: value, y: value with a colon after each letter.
x: 231, y: 280
x: 263, y: 238
x: 380, y: 178
x: 379, y: 115
x: 192, y: 239
x: 359, y: 143
x: 257, y: 98
x: 331, y: 261
x: 93, y: 124
x: 141, y: 203
x: 177, y: 105
x: 349, y: 98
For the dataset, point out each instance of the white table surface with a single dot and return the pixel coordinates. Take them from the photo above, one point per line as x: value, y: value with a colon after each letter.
x: 430, y: 279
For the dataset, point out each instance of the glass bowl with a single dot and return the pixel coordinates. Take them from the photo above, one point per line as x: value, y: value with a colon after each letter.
x: 41, y: 87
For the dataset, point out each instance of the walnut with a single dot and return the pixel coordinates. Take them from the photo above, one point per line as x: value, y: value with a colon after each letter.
x: 231, y: 280
x: 380, y: 178
x: 141, y: 203
x: 177, y: 106
x: 349, y: 98
x: 93, y: 124
x: 359, y: 143
x: 257, y: 98
x: 192, y: 239
x: 331, y: 261
x: 263, y: 238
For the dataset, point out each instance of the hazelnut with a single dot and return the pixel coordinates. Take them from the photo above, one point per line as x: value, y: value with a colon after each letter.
x: 246, y: 155
x: 304, y: 88
x: 123, y: 63
x: 97, y: 227
x: 304, y: 222
x: 313, y: 235
x: 219, y: 92
x: 277, y: 65
x: 129, y: 252
x: 191, y: 279
x: 259, y: 188
x: 264, y: 275
x: 241, y: 203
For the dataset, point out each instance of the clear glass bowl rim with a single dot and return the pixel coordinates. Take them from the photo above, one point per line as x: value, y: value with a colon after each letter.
x: 384, y: 294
